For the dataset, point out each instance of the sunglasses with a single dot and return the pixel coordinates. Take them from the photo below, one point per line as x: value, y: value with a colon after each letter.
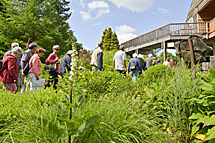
x: 57, y: 49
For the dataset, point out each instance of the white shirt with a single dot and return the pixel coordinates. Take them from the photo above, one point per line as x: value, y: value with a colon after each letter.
x: 119, y: 57
x: 166, y: 63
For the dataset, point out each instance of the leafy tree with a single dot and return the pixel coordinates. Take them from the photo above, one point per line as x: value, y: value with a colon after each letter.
x: 44, y: 21
x: 110, y: 40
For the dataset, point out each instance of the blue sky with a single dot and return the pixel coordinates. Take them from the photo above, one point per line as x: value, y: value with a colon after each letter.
x: 128, y: 18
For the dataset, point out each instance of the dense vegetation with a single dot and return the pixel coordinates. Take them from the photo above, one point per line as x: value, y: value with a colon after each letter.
x: 43, y: 21
x: 108, y: 107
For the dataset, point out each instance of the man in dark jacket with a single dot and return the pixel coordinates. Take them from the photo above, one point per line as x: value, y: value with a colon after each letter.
x: 97, y: 58
x: 65, y: 66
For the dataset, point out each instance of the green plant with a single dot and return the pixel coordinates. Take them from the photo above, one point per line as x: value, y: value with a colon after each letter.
x: 204, y: 116
x: 154, y: 73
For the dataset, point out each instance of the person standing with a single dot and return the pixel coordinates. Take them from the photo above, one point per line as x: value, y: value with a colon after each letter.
x: 172, y: 63
x: 134, y: 67
x: 97, y: 58
x: 148, y: 61
x: 13, y: 45
x: 9, y: 75
x: 25, y: 62
x: 140, y: 57
x: 119, y: 61
x: 52, y: 64
x: 167, y: 62
x: 36, y: 67
x: 65, y: 66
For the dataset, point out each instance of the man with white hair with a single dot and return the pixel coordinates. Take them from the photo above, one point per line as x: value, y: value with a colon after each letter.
x: 134, y: 67
x: 13, y: 45
x: 148, y: 61
x: 119, y: 60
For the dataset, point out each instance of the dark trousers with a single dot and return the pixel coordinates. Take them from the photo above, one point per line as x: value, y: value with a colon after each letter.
x: 122, y: 72
x: 53, y: 78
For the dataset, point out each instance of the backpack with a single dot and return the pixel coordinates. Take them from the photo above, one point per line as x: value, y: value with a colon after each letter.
x: 133, y: 66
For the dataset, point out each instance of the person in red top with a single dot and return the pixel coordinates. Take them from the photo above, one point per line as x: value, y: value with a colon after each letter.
x: 9, y: 75
x: 53, y: 63
x: 172, y: 63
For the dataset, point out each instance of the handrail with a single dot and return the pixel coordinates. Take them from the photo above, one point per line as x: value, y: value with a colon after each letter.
x: 172, y: 29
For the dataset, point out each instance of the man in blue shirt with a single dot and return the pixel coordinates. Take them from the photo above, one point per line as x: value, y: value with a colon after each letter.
x: 18, y: 61
x: 134, y: 67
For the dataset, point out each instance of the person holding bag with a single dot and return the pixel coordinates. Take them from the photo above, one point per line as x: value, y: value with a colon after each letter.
x: 52, y: 65
x: 9, y: 74
x: 35, y: 70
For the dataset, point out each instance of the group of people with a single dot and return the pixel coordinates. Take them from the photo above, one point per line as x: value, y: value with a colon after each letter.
x: 136, y: 64
x: 17, y: 63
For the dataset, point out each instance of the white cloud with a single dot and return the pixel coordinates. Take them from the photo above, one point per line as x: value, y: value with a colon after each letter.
x: 98, y: 4
x: 163, y: 11
x: 96, y: 9
x: 134, y: 5
x: 125, y: 33
x: 85, y: 15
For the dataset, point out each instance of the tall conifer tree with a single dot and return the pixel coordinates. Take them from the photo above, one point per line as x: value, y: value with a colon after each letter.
x: 109, y: 39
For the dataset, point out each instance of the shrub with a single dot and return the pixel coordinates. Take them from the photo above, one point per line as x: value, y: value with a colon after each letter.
x: 157, y: 72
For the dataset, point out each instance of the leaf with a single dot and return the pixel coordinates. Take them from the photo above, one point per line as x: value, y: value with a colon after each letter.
x: 211, y: 134
x: 196, y: 116
x: 210, y: 121
x: 194, y: 129
x: 169, y: 130
x: 199, y: 136
x: 85, y: 126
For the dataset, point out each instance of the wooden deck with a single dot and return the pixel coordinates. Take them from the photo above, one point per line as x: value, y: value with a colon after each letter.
x: 171, y: 32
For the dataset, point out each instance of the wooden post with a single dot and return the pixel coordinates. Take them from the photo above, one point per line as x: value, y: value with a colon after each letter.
x: 164, y: 50
x: 192, y: 56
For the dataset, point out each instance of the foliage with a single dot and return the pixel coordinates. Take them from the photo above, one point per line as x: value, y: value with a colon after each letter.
x: 110, y: 40
x: 157, y: 72
x: 204, y: 116
x: 44, y: 21
x: 84, y: 59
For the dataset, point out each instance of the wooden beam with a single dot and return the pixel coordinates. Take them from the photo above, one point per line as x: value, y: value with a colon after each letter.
x: 192, y: 57
x: 164, y: 50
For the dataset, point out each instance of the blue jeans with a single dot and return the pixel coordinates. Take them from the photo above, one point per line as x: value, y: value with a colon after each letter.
x: 134, y: 75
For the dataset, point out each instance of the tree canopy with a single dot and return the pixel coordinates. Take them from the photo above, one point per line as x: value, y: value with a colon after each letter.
x: 43, y: 21
x: 109, y: 39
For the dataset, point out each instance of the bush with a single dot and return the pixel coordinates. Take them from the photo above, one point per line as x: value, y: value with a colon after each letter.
x: 157, y: 72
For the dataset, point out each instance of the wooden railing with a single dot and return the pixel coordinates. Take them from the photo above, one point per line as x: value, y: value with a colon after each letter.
x: 173, y: 29
x: 212, y: 26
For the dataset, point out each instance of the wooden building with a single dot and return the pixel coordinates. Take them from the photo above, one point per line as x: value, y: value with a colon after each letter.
x: 200, y: 21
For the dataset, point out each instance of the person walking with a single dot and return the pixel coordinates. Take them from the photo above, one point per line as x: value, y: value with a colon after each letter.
x: 119, y: 61
x: 97, y: 58
x: 52, y: 65
x: 35, y: 69
x: 25, y: 64
x: 172, y: 63
x: 148, y: 61
x: 134, y: 67
x: 167, y: 62
x: 13, y: 45
x: 9, y: 75
x: 140, y: 57
x: 65, y: 66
